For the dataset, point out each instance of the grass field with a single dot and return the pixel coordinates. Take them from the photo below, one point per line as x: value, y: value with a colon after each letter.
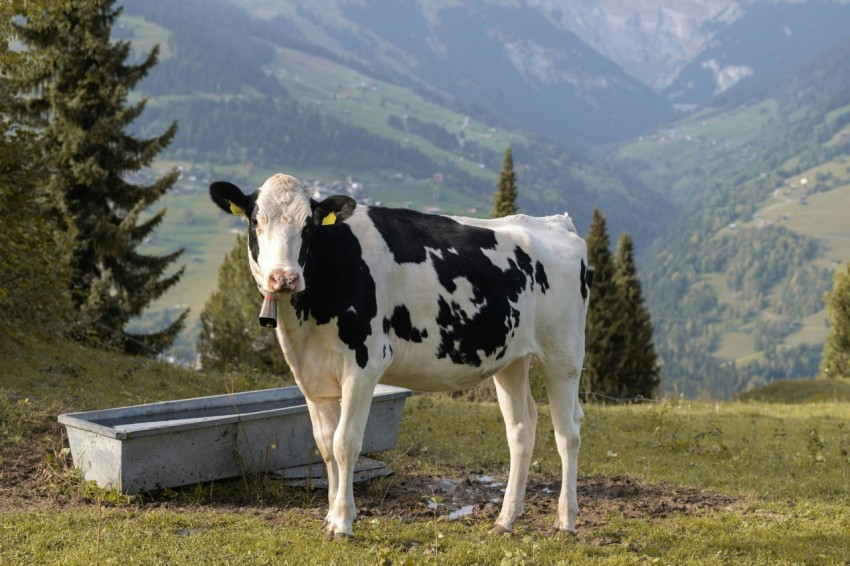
x: 673, y: 482
x: 698, y: 143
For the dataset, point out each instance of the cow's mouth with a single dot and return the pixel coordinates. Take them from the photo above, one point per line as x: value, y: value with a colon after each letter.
x: 284, y: 282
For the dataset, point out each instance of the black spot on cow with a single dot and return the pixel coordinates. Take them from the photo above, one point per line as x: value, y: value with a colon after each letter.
x: 523, y: 261
x: 586, y: 279
x: 253, y: 243
x: 540, y: 277
x: 231, y: 199
x: 338, y: 284
x: 410, y: 234
x: 400, y: 323
x: 457, y: 252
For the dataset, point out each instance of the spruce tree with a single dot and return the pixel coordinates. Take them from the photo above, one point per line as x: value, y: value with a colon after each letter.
x: 34, y: 254
x: 80, y: 103
x: 836, y: 349
x: 638, y: 369
x: 504, y: 199
x: 603, y: 333
x: 231, y: 336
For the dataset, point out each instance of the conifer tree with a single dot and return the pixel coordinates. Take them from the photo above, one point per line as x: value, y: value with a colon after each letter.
x: 231, y: 336
x: 836, y: 350
x: 504, y: 199
x: 603, y: 333
x: 79, y: 102
x: 638, y: 371
x: 29, y: 239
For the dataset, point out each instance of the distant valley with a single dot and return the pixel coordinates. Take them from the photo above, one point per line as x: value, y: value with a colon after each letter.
x: 418, y: 115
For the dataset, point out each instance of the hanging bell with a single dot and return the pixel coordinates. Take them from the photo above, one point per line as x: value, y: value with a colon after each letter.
x: 268, y: 313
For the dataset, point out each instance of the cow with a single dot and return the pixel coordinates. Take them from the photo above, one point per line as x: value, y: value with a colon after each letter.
x: 374, y: 295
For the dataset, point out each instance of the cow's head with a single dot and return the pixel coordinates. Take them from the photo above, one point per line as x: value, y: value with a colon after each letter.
x: 282, y: 220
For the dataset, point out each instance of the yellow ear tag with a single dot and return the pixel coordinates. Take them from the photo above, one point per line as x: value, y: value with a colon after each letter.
x: 329, y: 219
x: 237, y: 210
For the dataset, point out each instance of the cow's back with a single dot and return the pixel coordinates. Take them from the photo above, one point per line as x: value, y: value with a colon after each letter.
x: 459, y: 298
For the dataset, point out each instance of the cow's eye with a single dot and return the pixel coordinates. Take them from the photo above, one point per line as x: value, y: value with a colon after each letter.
x: 254, y: 222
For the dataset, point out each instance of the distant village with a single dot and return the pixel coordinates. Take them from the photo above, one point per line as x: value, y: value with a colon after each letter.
x: 194, y: 179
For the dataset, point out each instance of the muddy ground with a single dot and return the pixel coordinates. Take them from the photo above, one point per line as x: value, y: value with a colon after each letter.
x: 37, y: 474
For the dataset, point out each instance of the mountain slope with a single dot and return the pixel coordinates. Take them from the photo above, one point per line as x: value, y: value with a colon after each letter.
x: 765, y: 39
x: 257, y: 100
x: 736, y: 285
x: 510, y: 60
x: 652, y: 40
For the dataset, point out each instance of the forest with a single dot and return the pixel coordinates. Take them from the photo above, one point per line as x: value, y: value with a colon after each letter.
x: 765, y: 269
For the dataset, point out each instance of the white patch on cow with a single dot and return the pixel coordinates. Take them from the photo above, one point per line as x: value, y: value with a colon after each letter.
x: 282, y: 212
x: 463, y: 296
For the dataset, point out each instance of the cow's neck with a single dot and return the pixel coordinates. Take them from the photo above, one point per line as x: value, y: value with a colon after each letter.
x: 293, y: 325
x: 291, y: 333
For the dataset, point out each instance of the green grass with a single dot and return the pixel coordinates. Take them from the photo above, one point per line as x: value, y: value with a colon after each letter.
x: 712, y: 135
x: 736, y: 345
x: 785, y: 462
x: 744, y: 449
x: 823, y: 216
x: 786, y: 468
x: 801, y: 391
x: 62, y: 375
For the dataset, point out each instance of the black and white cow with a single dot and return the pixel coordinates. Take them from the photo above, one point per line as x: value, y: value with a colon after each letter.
x: 432, y: 303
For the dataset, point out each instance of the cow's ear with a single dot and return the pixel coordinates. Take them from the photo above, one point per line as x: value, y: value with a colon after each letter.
x: 230, y: 198
x: 332, y: 210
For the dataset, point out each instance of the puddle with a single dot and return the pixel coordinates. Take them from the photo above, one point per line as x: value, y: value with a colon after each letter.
x: 488, y: 481
x: 462, y: 512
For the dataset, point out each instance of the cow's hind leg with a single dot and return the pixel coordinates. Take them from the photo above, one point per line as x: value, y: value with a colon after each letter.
x: 520, y: 414
x: 562, y: 381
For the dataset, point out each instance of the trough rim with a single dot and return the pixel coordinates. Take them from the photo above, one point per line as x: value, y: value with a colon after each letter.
x: 88, y: 420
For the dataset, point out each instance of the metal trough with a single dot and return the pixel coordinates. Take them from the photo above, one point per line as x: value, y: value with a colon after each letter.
x: 158, y: 445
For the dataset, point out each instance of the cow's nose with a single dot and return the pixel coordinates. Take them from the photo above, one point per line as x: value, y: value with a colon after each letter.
x: 283, y: 280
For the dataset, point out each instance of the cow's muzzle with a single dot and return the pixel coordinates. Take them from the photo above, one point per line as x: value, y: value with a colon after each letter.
x: 281, y: 281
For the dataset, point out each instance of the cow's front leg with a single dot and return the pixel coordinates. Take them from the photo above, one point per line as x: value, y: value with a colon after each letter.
x: 356, y: 400
x: 324, y: 416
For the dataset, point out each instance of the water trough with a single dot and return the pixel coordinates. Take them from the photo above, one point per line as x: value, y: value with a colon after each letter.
x: 173, y: 443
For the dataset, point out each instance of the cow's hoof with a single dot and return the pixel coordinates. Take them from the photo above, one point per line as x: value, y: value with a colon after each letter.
x: 329, y: 535
x: 498, y: 529
x: 558, y: 532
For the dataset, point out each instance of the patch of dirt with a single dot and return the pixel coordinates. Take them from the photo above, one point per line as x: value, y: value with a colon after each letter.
x: 26, y: 476
x: 37, y: 474
x: 478, y: 497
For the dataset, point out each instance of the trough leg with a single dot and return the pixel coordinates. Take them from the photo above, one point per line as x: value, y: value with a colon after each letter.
x: 348, y: 439
x: 562, y: 389
x: 520, y: 414
x: 324, y: 415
